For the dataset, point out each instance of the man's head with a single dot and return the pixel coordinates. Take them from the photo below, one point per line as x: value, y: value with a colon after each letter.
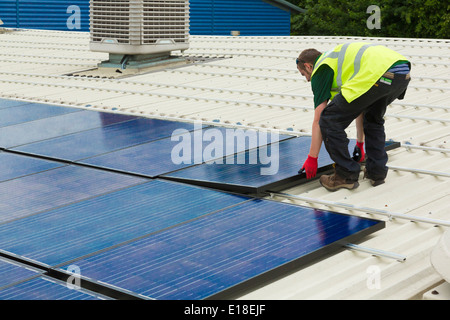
x: 305, y: 62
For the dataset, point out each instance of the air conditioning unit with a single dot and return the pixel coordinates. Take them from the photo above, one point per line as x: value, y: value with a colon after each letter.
x: 137, y: 27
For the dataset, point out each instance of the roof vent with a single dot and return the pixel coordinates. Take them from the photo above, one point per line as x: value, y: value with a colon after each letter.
x: 136, y: 27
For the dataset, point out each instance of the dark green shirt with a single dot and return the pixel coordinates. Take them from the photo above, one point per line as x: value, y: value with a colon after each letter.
x: 321, y: 84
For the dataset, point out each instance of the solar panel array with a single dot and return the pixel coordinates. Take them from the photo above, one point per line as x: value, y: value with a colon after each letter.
x: 20, y: 282
x: 95, y: 190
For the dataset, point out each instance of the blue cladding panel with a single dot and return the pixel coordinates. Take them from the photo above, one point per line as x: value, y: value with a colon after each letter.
x: 8, y: 13
x: 53, y: 15
x: 43, y: 289
x: 56, y: 126
x: 250, y: 17
x: 30, y: 112
x: 42, y: 191
x: 218, y: 251
x: 13, y: 166
x: 201, y: 17
x: 66, y: 233
x: 285, y: 163
x: 207, y: 17
x: 11, y: 273
x: 94, y: 142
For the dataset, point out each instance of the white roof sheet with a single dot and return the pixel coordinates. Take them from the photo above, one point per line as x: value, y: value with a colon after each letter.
x: 255, y: 83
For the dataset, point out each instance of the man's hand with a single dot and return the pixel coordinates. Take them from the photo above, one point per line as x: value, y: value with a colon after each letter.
x: 358, y: 153
x: 310, y: 167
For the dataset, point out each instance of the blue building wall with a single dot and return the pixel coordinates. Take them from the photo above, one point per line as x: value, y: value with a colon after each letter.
x: 8, y: 13
x: 45, y: 14
x: 207, y: 17
x: 250, y: 17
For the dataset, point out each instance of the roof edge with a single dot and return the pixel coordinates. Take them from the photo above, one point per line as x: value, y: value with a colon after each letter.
x: 287, y: 6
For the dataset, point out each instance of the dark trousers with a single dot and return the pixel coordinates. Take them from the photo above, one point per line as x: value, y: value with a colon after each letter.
x: 338, y: 115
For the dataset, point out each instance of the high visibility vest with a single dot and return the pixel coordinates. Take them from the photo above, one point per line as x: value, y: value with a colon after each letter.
x: 357, y: 67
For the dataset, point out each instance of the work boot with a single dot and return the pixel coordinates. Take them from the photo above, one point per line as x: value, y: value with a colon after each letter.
x: 335, y: 182
x: 373, y: 182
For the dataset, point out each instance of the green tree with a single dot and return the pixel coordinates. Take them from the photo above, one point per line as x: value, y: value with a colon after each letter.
x: 405, y: 18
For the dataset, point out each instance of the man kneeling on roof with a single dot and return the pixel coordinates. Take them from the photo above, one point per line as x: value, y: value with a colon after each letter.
x: 352, y: 81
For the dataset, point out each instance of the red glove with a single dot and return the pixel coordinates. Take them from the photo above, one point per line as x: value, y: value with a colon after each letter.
x: 310, y: 167
x: 358, y: 153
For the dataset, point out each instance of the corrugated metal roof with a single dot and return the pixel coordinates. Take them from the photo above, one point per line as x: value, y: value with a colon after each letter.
x: 253, y: 81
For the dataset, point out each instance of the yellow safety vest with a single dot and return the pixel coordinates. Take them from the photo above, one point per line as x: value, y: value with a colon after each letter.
x: 357, y: 66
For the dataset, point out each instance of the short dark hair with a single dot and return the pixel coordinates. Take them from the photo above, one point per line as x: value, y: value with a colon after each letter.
x: 307, y: 56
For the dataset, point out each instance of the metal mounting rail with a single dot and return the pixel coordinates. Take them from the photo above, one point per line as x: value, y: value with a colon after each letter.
x: 433, y: 173
x: 418, y: 118
x: 84, y: 65
x: 411, y: 146
x: 442, y: 89
x: 376, y: 252
x: 390, y: 215
x: 95, y: 60
x: 422, y: 78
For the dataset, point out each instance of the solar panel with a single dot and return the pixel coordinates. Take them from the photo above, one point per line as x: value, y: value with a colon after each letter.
x: 40, y: 191
x: 55, y: 126
x: 159, y: 238
x: 43, y: 288
x: 14, y: 166
x: 156, y: 158
x: 225, y: 253
x: 72, y: 231
x: 148, y: 159
x: 6, y: 103
x: 282, y: 162
x: 30, y: 112
x: 81, y: 145
x: 11, y: 273
x: 286, y: 158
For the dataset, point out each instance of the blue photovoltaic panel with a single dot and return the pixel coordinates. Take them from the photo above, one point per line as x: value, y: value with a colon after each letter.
x: 148, y: 159
x: 11, y: 273
x: 178, y: 241
x: 56, y: 126
x: 14, y: 166
x: 42, y: 288
x: 216, y: 253
x: 97, y: 141
x: 276, y: 164
x: 166, y: 155
x: 5, y: 103
x: 30, y: 112
x: 56, y: 236
x: 46, y: 190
